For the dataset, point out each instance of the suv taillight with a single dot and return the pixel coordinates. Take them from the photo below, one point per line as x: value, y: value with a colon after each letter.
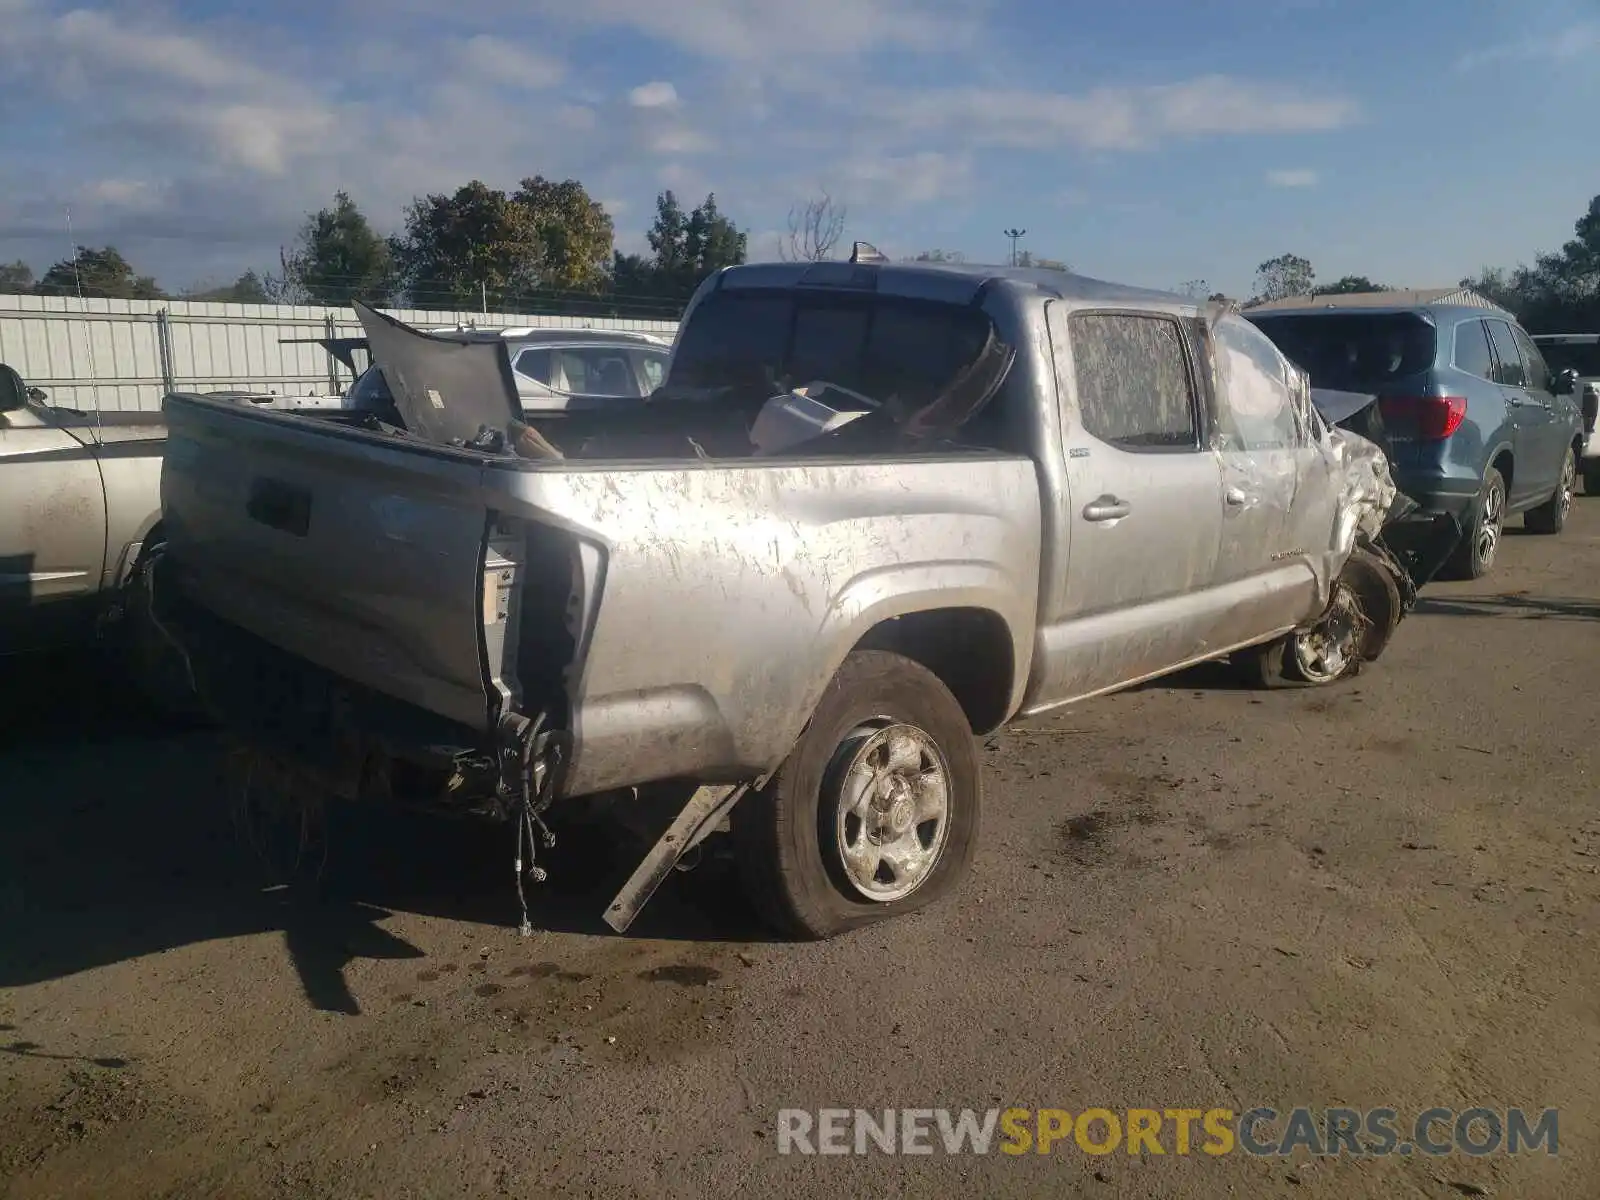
x: 1431, y: 417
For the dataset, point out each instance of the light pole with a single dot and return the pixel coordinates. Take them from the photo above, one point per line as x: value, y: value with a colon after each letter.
x: 1015, y: 235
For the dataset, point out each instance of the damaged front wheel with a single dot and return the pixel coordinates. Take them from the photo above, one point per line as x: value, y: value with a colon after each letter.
x: 1354, y: 629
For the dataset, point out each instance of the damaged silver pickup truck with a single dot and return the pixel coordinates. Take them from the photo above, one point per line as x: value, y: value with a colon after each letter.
x: 872, y: 511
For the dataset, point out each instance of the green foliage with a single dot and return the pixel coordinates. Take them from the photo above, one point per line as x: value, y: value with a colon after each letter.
x: 338, y: 257
x: 1560, y: 293
x: 1348, y: 286
x: 16, y: 279
x: 103, y: 274
x: 1282, y: 277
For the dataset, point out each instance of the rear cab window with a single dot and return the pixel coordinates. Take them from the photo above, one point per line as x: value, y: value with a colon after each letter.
x: 880, y: 346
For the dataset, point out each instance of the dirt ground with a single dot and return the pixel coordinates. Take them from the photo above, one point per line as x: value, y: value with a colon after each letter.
x: 1384, y: 894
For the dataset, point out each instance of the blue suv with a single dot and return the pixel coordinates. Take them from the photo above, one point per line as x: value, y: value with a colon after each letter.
x: 1471, y: 418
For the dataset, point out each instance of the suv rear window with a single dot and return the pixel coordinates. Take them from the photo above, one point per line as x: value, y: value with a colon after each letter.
x: 878, y: 346
x: 1353, y: 352
x: 1582, y: 357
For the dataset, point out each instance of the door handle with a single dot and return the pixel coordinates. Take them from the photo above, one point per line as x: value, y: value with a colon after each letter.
x: 1106, y: 508
x: 1235, y: 498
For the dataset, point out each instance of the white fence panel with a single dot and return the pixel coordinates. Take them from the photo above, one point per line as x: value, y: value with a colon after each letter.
x: 127, y: 354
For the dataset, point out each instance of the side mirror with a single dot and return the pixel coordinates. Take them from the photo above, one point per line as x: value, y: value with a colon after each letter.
x: 13, y: 395
x: 1565, y: 382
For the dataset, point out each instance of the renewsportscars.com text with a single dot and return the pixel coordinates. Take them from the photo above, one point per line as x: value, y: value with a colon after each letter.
x: 1258, y: 1132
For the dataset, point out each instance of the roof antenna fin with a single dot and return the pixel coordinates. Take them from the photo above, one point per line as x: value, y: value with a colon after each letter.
x: 866, y: 252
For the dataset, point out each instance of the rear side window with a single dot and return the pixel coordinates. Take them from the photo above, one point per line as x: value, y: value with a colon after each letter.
x: 1472, y: 350
x: 655, y: 368
x: 598, y: 372
x: 1134, y: 387
x: 536, y: 365
x: 1532, y: 362
x: 1509, y: 365
x: 1353, y: 352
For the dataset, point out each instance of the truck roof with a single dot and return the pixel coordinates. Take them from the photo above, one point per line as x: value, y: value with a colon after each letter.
x: 951, y: 282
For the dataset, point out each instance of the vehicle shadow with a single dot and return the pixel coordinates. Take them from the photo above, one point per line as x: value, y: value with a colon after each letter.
x: 1534, y: 608
x: 118, y: 840
x: 1216, y: 676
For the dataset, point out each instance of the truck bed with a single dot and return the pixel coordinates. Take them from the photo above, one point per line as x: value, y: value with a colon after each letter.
x: 680, y: 618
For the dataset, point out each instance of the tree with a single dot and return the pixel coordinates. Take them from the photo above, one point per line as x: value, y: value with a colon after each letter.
x: 938, y: 256
x: 574, y: 233
x: 249, y: 288
x: 1349, y: 285
x: 102, y: 273
x: 457, y: 248
x: 689, y: 248
x: 339, y: 258
x: 16, y: 279
x: 815, y: 227
x: 1025, y: 258
x: 1561, y: 291
x: 1195, y: 289
x: 1282, y: 277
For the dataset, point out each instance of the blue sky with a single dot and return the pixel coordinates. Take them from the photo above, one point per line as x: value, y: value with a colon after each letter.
x: 1151, y: 141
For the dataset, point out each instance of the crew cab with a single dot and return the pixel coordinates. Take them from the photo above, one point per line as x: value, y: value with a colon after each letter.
x: 872, y: 510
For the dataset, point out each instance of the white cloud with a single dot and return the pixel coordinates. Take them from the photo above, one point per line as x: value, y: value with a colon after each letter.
x: 908, y: 179
x: 1563, y: 46
x: 1112, y: 118
x: 653, y: 95
x: 761, y: 31
x: 1293, y: 177
x: 496, y: 60
x: 249, y: 126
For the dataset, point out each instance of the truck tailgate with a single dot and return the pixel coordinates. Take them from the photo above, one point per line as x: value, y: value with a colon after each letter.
x: 362, y: 557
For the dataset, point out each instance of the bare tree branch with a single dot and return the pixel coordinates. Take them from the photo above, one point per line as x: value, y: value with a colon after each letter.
x: 815, y: 227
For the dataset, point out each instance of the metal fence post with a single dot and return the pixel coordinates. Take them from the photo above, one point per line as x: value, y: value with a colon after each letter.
x: 330, y: 329
x: 164, y: 350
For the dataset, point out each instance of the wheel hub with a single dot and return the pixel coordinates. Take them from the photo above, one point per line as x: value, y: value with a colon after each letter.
x: 891, y: 794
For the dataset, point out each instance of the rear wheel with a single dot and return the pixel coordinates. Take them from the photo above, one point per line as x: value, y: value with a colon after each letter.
x: 1551, y: 516
x: 875, y: 813
x: 1474, y: 557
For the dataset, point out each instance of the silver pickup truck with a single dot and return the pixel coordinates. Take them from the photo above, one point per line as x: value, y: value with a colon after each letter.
x: 80, y: 497
x: 873, y: 510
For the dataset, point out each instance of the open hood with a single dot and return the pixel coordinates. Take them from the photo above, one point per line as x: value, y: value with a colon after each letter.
x: 447, y: 387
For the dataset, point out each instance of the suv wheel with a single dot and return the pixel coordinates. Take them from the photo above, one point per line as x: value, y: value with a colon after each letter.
x: 1475, y: 556
x: 1551, y: 516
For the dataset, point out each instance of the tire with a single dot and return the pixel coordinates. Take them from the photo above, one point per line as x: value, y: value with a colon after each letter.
x: 1480, y: 544
x: 1365, y: 610
x: 1591, y: 477
x: 790, y: 838
x: 1551, y: 516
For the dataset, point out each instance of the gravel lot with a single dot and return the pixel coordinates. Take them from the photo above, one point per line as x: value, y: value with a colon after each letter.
x: 1384, y: 894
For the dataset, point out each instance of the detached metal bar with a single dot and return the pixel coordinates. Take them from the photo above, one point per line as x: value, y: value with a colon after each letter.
x: 693, y: 824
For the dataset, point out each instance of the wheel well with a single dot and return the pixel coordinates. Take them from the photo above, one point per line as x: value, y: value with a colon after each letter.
x: 969, y: 649
x: 1502, y: 463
